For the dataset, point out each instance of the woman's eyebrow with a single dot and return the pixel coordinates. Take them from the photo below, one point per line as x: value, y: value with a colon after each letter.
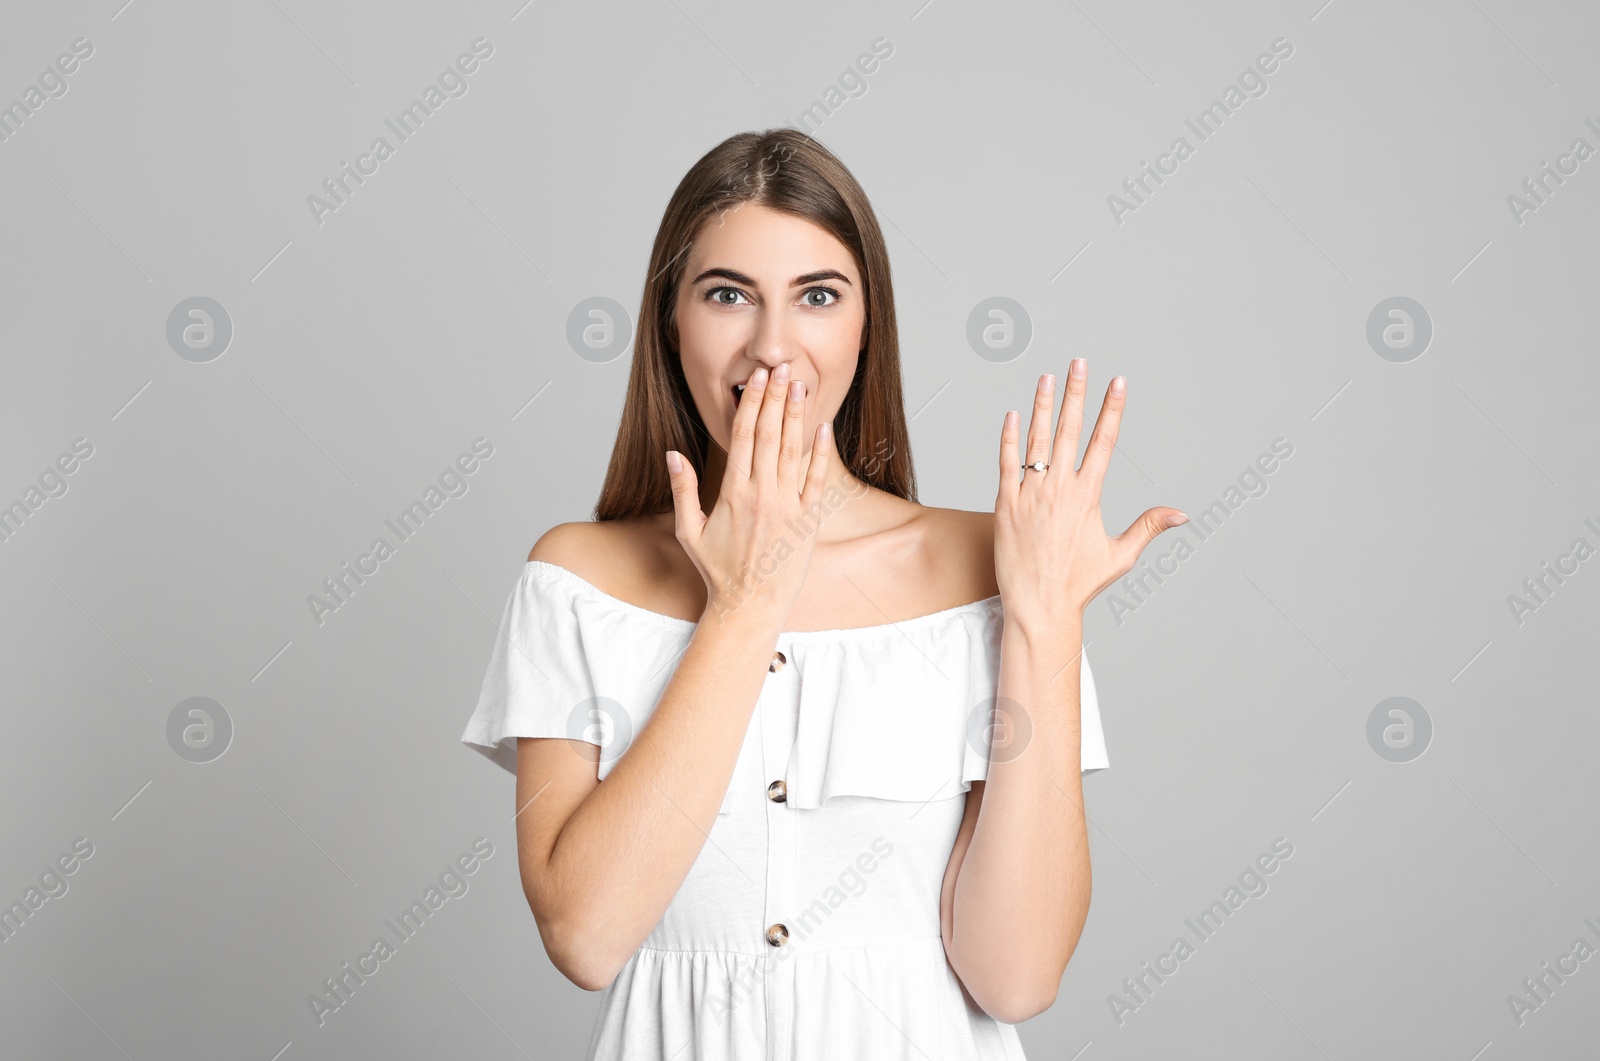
x: 740, y: 278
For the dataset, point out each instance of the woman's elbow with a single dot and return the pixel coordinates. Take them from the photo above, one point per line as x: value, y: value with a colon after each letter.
x: 573, y: 952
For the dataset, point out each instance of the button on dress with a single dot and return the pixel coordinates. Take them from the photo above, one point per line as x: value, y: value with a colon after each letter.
x: 808, y: 927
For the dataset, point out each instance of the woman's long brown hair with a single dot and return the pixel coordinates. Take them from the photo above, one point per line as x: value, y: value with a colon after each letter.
x: 784, y: 170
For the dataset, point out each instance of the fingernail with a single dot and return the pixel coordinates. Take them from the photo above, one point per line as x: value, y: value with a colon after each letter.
x: 1180, y: 518
x: 1048, y: 382
x: 1119, y: 386
x: 674, y: 461
x: 1079, y: 368
x: 758, y: 378
x: 781, y: 373
x: 797, y: 390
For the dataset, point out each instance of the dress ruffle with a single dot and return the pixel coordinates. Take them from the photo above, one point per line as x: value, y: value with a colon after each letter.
x: 904, y: 711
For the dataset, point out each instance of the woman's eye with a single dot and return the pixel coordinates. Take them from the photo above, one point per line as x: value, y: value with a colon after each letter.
x: 716, y: 293
x: 821, y: 291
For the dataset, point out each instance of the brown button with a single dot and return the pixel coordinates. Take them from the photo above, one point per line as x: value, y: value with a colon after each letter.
x: 778, y: 792
x: 778, y: 660
x: 778, y: 935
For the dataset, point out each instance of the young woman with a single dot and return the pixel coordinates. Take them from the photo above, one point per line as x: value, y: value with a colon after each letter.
x: 846, y: 824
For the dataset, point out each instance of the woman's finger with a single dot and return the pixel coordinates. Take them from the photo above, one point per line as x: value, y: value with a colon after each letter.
x: 769, y: 426
x: 1070, y: 428
x: 688, y: 519
x: 794, y: 439
x: 1142, y: 531
x: 822, y: 457
x: 1044, y: 400
x: 1010, y: 465
x: 742, y: 442
x: 1098, y: 454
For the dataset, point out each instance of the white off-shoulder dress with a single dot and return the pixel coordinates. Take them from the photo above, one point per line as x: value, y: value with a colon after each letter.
x: 808, y: 927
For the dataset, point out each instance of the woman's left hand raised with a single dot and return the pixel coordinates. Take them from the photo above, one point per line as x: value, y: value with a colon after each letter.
x: 1052, y: 553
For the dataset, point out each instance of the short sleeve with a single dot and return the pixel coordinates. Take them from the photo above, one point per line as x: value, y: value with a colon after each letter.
x: 1091, y: 733
x: 538, y: 682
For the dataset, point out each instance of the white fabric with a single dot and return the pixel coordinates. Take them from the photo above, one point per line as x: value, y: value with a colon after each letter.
x: 877, y: 732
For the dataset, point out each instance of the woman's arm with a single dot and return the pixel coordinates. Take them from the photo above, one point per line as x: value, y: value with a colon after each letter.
x: 1017, y: 890
x: 600, y: 861
x: 1021, y: 893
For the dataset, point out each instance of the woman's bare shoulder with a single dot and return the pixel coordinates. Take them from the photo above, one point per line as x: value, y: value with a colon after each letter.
x: 621, y: 557
x: 963, y: 542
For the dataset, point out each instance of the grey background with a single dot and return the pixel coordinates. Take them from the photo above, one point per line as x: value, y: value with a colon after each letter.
x: 432, y: 309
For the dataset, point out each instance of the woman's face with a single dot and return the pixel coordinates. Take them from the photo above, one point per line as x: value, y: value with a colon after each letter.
x: 764, y: 288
